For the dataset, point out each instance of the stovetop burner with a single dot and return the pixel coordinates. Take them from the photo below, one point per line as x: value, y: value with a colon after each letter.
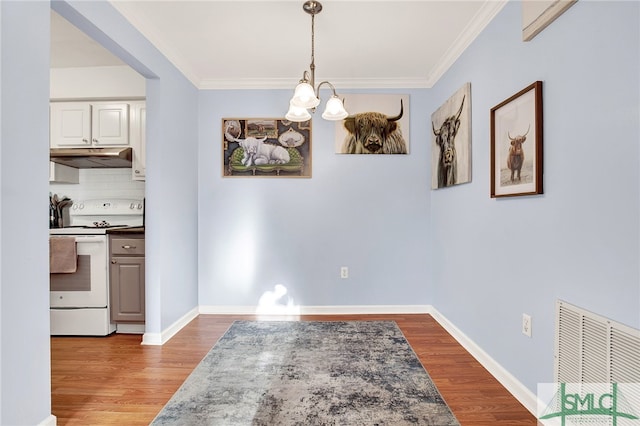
x: 97, y: 216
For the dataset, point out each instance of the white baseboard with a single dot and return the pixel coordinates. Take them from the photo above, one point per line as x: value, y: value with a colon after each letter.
x: 51, y: 420
x: 318, y: 310
x: 364, y: 310
x: 165, y: 335
x: 513, y: 385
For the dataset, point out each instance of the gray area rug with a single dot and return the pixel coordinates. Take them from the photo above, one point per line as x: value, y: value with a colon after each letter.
x: 308, y: 373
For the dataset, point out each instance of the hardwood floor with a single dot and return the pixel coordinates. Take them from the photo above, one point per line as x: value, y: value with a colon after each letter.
x: 115, y: 380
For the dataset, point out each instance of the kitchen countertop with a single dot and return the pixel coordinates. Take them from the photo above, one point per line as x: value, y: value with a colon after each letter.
x: 132, y: 230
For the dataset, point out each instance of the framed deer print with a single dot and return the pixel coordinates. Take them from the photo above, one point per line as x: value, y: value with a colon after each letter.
x: 516, y: 144
x: 451, y: 136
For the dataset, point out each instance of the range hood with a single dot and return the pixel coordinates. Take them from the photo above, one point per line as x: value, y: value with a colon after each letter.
x: 93, y: 158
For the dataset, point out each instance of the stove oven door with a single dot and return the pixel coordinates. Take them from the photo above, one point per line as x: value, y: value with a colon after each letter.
x: 88, y: 286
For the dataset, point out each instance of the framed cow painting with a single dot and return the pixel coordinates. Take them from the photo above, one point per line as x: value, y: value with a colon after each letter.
x: 516, y: 144
x: 451, y: 140
x: 377, y: 124
x: 266, y: 147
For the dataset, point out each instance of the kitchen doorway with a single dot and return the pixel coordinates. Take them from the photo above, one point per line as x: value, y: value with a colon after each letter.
x: 84, y: 75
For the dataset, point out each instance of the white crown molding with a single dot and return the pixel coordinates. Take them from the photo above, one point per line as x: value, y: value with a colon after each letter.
x: 248, y: 83
x: 290, y: 83
x: 483, y: 17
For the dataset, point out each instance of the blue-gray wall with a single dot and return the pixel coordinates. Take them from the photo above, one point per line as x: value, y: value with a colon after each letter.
x: 223, y: 242
x: 481, y: 262
x: 369, y: 213
x: 494, y: 259
x: 172, y: 143
x: 24, y: 159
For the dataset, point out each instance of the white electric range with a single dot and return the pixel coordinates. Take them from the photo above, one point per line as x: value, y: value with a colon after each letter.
x: 79, y: 301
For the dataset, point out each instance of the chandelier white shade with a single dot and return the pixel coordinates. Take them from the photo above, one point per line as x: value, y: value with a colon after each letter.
x: 334, y: 110
x: 305, y: 97
x: 297, y: 113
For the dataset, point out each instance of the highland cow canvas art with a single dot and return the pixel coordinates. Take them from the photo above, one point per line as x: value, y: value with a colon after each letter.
x: 451, y: 140
x: 377, y: 124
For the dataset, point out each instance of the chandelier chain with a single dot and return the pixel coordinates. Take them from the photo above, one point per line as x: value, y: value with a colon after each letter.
x: 313, y: 49
x: 307, y: 95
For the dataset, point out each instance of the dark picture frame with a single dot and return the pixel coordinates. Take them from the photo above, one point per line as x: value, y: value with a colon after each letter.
x: 266, y: 147
x: 516, y: 144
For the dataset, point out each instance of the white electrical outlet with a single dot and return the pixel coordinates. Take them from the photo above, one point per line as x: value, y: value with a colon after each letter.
x: 344, y: 272
x: 526, y: 325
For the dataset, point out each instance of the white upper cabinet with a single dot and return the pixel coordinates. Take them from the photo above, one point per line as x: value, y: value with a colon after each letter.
x: 110, y: 124
x: 70, y: 124
x: 89, y: 124
x: 138, y: 118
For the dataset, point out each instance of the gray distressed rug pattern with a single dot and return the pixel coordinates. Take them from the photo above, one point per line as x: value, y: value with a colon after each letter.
x: 309, y: 373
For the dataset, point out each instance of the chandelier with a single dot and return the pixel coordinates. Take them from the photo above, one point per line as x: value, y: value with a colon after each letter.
x: 305, y: 97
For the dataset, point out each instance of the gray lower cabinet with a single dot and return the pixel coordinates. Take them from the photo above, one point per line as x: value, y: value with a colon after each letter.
x: 126, y: 276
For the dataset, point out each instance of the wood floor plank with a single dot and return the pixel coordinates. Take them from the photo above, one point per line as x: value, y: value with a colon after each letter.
x: 115, y: 380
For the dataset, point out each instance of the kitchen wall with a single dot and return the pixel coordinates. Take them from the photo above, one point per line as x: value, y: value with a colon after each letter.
x: 101, y: 183
x: 96, y: 82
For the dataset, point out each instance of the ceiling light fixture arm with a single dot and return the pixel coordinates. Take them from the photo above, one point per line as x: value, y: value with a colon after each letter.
x: 333, y: 89
x: 306, y: 95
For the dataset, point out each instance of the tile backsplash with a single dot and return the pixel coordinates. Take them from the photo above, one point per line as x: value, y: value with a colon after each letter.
x: 101, y: 183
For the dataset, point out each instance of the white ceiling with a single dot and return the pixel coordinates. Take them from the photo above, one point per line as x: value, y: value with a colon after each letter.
x: 70, y: 47
x: 267, y: 44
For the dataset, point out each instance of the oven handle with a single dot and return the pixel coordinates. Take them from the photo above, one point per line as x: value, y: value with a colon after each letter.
x: 90, y: 238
